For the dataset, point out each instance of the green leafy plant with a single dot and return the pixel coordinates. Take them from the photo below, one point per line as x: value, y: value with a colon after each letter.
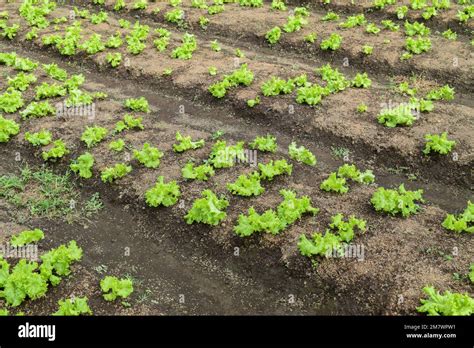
x: 188, y: 46
x: 438, y: 143
x: 114, y: 59
x: 137, y: 104
x: 58, y: 150
x: 395, y: 202
x: 162, y: 193
x: 215, y: 46
x: 246, y: 185
x: 27, y: 237
x: 11, y: 101
x: 8, y: 128
x: 278, y: 5
x: 112, y: 288
x: 351, y: 172
x: 334, y: 184
x: 21, y: 81
x: 400, y: 115
x: 73, y: 307
x: 149, y: 156
x: 22, y: 282
x: 83, y: 165
x: 333, y: 42
x: 186, y: 143
x: 253, y: 102
x: 274, y: 168
x: 287, y: 212
x: 10, y: 32
x: 418, y: 46
x: 446, y: 304
x: 129, y: 122
x: 273, y: 35
x: 117, y: 145
x: 224, y: 156
x: 463, y: 222
x: 443, y: 93
x: 390, y: 25
x: 201, y: 172
x: 56, y: 262
x: 267, y: 143
x: 415, y: 28
x: 46, y: 90
x: 55, y: 72
x: 311, y: 94
x: 114, y: 41
x: 361, y: 81
x: 93, y: 135
x: 241, y: 76
x: 99, y: 17
x: 372, y: 28
x: 93, y: 45
x: 361, y: 108
x: 140, y: 5
x: 402, y: 12
x: 354, y: 21
x: 175, y: 16
x: 294, y: 23
x: 301, y: 154
x: 41, y: 138
x: 38, y: 109
x: 110, y: 174
x: 333, y: 240
x: 208, y: 210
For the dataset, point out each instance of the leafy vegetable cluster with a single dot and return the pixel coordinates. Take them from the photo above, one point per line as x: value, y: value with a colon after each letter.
x: 162, y: 193
x: 112, y: 287
x: 271, y: 221
x: 463, y: 222
x: 395, y: 202
x: 209, y: 209
x: 446, y: 304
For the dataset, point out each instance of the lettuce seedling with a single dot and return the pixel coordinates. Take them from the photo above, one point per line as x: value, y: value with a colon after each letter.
x: 73, y: 307
x: 41, y: 138
x: 110, y: 174
x: 112, y: 288
x: 83, y: 165
x: 38, y: 109
x: 446, y: 304
x: 395, y: 202
x: 266, y: 144
x: 209, y: 209
x: 27, y: 237
x: 274, y: 168
x: 301, y: 154
x: 201, y: 172
x: 438, y: 143
x: 162, y: 193
x: 93, y: 135
x: 11, y: 101
x: 137, y: 104
x: 186, y: 143
x: 246, y: 185
x: 149, y: 156
x: 463, y: 222
x: 58, y: 150
x: 8, y: 128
